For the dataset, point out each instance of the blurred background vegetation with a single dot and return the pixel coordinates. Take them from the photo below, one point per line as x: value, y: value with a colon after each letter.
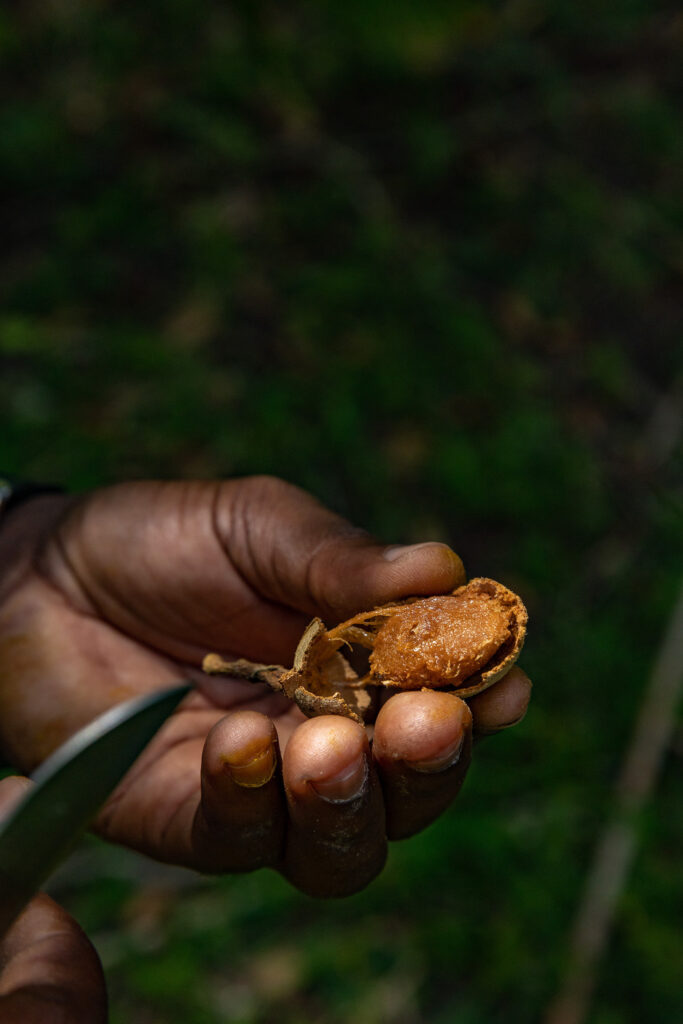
x: 424, y: 260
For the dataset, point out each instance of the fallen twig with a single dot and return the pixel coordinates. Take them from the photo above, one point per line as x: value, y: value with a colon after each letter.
x: 617, y: 845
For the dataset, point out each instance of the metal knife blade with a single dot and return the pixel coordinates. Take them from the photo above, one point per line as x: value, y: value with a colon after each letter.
x: 69, y: 787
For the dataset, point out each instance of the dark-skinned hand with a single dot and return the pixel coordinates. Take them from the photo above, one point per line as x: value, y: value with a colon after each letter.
x: 125, y: 590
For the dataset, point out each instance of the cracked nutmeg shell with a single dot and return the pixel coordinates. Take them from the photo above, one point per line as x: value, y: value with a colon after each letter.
x: 465, y: 642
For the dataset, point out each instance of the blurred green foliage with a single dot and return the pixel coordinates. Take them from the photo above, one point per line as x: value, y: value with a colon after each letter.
x: 424, y: 260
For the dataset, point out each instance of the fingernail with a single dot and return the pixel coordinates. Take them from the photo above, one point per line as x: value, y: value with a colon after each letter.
x: 391, y: 554
x: 484, y: 730
x: 396, y: 551
x: 253, y: 771
x: 446, y: 758
x: 345, y: 786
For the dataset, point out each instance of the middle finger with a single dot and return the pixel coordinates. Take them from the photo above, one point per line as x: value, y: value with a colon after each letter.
x: 336, y: 840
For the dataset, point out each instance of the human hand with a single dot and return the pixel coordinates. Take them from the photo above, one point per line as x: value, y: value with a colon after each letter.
x: 49, y: 969
x: 124, y: 591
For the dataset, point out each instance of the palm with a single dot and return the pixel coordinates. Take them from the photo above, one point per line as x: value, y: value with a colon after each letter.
x: 154, y: 808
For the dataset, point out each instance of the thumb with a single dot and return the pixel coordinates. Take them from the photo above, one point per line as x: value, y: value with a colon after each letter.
x: 50, y: 970
x: 192, y: 566
x: 300, y: 554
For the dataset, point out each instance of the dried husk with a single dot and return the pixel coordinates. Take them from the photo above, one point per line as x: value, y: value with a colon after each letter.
x: 464, y: 641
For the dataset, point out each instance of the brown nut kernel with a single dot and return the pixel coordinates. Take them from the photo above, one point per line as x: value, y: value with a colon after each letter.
x: 464, y: 641
x: 439, y: 641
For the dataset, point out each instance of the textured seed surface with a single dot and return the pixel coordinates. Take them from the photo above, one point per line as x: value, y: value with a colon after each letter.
x: 440, y: 641
x: 465, y: 641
